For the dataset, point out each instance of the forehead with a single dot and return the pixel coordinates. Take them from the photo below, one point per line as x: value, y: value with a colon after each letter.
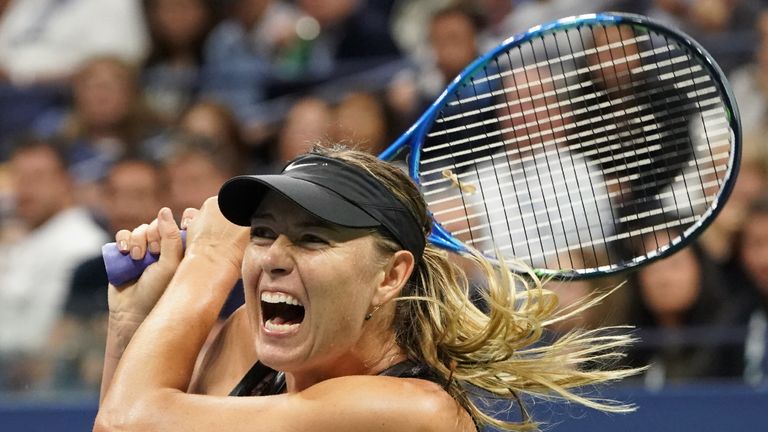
x: 33, y: 158
x: 277, y: 209
x: 274, y: 204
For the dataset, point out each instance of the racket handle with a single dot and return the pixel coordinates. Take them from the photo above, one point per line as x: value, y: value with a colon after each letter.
x: 121, y: 268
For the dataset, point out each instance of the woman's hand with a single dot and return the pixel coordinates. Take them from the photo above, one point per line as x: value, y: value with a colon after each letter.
x: 211, y: 235
x: 136, y: 299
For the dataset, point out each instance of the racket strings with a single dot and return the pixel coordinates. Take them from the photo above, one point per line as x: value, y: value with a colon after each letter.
x: 632, y: 107
x: 676, y: 209
x: 571, y: 202
x: 551, y: 159
x: 550, y: 149
x: 536, y: 171
x: 565, y: 193
x: 634, y: 206
x: 594, y: 126
x: 656, y: 68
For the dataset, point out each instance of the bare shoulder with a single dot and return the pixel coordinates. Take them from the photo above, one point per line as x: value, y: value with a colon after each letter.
x: 384, y: 403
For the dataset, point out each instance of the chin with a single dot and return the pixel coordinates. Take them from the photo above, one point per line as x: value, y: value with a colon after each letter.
x: 280, y: 358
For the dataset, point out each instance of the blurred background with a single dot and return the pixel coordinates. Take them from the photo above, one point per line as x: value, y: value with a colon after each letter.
x: 112, y: 109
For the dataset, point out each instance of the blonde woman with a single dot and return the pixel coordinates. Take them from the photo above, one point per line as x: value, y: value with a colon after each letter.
x: 352, y: 321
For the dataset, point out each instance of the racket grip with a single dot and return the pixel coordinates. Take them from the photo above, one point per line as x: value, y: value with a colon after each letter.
x: 121, y: 268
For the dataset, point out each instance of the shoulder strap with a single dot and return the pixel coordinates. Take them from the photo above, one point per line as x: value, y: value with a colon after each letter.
x: 260, y: 380
x: 411, y: 369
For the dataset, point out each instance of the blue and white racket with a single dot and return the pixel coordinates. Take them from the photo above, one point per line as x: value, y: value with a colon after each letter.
x: 583, y: 147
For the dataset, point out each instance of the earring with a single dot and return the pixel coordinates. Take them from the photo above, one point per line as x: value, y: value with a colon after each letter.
x: 370, y: 314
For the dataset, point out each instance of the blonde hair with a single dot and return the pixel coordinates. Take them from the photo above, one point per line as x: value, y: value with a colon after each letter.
x: 499, y: 352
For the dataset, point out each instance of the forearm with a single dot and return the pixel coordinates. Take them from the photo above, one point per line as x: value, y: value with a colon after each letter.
x: 120, y: 330
x: 163, y: 350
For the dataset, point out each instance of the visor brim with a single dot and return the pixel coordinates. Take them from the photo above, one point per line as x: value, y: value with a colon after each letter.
x: 240, y: 197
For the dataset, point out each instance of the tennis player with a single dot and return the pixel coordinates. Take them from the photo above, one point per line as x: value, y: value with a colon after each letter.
x: 352, y: 321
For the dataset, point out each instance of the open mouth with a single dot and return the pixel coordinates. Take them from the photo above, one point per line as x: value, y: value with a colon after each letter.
x: 281, y: 312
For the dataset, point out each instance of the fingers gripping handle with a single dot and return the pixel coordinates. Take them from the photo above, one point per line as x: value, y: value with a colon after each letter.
x: 121, y: 268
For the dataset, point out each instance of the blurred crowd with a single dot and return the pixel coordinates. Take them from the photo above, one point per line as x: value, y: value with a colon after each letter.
x: 111, y: 109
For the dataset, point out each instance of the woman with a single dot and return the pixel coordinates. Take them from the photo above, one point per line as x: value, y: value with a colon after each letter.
x: 177, y: 32
x: 673, y: 300
x: 370, y: 327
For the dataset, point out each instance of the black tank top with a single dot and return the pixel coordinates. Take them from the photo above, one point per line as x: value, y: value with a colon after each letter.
x: 261, y: 380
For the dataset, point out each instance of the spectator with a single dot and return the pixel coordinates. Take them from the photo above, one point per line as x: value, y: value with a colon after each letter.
x: 452, y: 44
x: 37, y: 269
x: 271, y: 49
x: 680, y: 306
x: 43, y: 42
x: 724, y: 27
x: 240, y: 55
x: 453, y: 38
x: 133, y: 191
x: 171, y: 73
x: 720, y: 238
x: 108, y: 121
x: 361, y: 121
x: 308, y: 122
x: 195, y: 170
x: 751, y: 264
x: 349, y: 31
x: 218, y: 124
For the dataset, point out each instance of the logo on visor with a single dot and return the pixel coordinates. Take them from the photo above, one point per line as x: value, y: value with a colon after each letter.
x: 299, y: 165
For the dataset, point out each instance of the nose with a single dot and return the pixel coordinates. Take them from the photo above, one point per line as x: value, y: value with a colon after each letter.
x: 277, y: 259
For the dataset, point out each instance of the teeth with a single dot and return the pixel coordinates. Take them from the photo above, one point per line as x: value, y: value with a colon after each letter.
x: 275, y: 297
x: 271, y: 325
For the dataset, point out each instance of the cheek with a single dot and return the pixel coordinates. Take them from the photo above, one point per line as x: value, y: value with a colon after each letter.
x: 342, y: 291
x: 251, y: 272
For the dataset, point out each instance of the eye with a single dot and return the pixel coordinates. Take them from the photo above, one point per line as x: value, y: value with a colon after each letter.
x: 262, y: 235
x: 313, y: 239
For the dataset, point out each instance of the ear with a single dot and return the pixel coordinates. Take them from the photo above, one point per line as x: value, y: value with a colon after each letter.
x: 396, y: 274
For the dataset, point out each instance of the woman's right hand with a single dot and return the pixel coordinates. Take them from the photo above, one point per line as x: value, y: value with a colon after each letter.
x: 134, y: 300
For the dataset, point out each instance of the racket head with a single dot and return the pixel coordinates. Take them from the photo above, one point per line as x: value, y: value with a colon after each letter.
x: 580, y: 148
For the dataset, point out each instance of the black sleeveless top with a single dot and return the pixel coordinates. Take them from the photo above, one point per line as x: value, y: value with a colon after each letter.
x: 261, y: 380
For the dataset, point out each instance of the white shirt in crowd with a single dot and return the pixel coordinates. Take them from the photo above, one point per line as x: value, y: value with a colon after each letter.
x: 48, y: 39
x: 35, y: 275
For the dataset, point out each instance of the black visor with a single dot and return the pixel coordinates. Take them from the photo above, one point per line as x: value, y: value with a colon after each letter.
x: 331, y: 190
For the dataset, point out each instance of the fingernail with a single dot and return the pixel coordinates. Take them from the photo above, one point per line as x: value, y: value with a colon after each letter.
x: 136, y: 253
x: 154, y: 247
x: 184, y: 223
x: 122, y: 245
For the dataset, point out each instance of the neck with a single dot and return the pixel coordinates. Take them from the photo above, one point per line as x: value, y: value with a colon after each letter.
x: 369, y: 357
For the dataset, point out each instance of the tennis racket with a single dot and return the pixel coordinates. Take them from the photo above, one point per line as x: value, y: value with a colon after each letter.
x: 580, y: 148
